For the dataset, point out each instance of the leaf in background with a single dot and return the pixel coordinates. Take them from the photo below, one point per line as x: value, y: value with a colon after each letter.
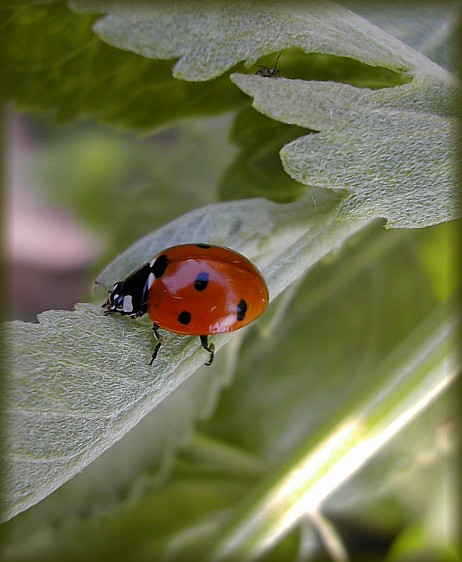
x: 124, y: 187
x: 81, y: 380
x: 257, y: 171
x: 393, y: 149
x: 430, y: 27
x: 53, y: 62
x: 210, y: 37
x: 439, y: 257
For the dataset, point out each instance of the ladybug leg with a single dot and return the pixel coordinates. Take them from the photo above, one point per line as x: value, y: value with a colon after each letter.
x: 159, y: 340
x: 210, y: 348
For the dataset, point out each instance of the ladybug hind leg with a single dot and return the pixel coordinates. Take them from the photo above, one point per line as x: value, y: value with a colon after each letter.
x: 210, y: 348
x: 159, y: 340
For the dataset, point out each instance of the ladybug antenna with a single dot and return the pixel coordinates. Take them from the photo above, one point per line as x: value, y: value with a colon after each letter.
x: 104, y: 286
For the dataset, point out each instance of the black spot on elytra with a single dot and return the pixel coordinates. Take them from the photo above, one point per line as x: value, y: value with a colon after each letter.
x: 160, y: 265
x: 241, y: 310
x: 184, y: 317
x: 201, y: 281
x: 204, y: 246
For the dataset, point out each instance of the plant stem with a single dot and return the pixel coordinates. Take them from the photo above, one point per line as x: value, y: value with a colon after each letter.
x: 413, y: 377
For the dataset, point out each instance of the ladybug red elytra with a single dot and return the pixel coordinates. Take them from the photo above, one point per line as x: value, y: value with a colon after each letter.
x: 194, y: 289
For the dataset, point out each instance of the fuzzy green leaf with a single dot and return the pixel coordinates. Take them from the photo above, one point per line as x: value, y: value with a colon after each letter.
x: 81, y: 380
x: 397, y: 163
x: 211, y: 37
x: 393, y: 150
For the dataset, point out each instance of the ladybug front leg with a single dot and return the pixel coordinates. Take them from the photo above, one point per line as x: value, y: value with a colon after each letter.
x: 159, y: 341
x: 210, y: 348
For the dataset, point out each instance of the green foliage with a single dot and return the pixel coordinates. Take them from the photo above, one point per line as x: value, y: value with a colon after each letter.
x: 331, y: 412
x: 257, y: 172
x: 123, y: 187
x: 64, y: 69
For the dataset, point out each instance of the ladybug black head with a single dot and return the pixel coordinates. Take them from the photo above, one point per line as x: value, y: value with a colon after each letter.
x: 130, y: 296
x: 115, y: 300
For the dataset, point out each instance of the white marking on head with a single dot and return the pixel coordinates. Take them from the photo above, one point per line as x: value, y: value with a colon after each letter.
x: 150, y: 280
x: 127, y: 305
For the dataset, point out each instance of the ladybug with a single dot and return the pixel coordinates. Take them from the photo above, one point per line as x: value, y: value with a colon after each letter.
x: 194, y: 289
